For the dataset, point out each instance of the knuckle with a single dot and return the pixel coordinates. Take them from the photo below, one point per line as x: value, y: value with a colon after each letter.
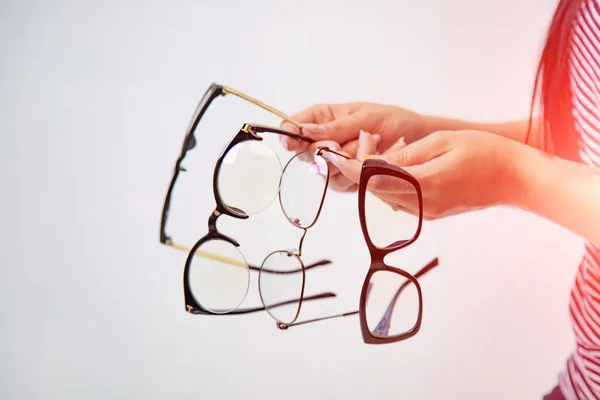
x: 440, y: 137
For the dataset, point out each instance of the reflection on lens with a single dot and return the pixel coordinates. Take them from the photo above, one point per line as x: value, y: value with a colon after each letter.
x: 392, y: 307
x: 248, y: 178
x: 218, y: 276
x: 302, y: 188
x: 282, y: 285
x: 386, y: 227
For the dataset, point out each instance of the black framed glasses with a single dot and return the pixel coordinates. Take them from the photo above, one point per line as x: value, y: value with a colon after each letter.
x: 214, y: 91
x: 248, y: 176
x: 391, y: 302
x: 220, y: 294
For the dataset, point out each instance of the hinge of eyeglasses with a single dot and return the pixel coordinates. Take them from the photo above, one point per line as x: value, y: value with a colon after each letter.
x: 248, y: 129
x: 189, y: 308
x: 282, y: 326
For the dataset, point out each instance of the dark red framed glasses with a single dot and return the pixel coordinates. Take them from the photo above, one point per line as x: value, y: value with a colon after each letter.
x: 391, y: 300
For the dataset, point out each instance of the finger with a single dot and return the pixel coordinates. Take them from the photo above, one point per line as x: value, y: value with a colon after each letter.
x: 421, y: 151
x: 291, y: 144
x: 341, y: 130
x: 289, y: 127
x: 350, y: 168
x: 318, y: 113
x: 342, y: 184
x: 384, y: 183
x: 324, y: 143
x: 333, y: 170
x: 400, y: 143
x: 351, y: 147
x: 405, y: 203
x: 367, y: 144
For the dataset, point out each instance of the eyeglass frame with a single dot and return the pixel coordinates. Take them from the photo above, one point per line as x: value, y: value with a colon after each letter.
x: 215, y: 90
x: 371, y: 167
x: 246, y: 133
x: 189, y: 143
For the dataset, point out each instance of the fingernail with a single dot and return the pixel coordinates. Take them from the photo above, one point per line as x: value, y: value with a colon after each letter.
x: 313, y: 128
x: 377, y: 137
x: 372, y: 157
x: 362, y: 136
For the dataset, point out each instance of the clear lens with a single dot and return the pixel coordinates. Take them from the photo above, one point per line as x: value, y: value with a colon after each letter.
x: 392, y: 307
x: 249, y: 177
x: 219, y: 276
x: 281, y: 280
x: 302, y: 188
x: 386, y: 227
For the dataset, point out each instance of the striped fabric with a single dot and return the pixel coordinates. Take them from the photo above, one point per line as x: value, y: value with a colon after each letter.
x: 581, y: 377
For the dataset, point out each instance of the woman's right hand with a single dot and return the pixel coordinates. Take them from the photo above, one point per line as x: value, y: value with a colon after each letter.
x: 339, y: 126
x: 342, y: 123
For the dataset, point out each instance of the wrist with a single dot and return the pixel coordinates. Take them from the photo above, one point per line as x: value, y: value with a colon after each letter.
x: 536, y: 176
x: 561, y: 191
x: 526, y: 178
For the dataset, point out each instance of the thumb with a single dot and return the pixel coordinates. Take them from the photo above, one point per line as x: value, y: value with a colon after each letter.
x: 340, y: 130
x: 420, y: 151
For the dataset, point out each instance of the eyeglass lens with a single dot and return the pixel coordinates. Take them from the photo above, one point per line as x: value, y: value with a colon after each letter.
x: 248, y: 178
x: 283, y: 285
x: 392, y: 306
x: 218, y: 276
x: 303, y: 184
x: 378, y: 197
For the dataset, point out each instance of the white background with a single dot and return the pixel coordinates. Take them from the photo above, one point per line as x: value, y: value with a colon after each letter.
x: 94, y: 101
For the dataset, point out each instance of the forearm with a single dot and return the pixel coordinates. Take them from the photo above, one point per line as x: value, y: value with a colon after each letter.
x: 515, y: 130
x: 561, y: 191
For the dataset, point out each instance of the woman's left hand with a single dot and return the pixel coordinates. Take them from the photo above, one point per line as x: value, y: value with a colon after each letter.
x: 458, y: 171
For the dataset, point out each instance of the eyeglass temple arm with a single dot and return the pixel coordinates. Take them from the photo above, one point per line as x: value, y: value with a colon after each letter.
x: 252, y: 100
x: 237, y: 263
x: 383, y: 326
x: 319, y: 296
x: 433, y: 263
x: 283, y: 326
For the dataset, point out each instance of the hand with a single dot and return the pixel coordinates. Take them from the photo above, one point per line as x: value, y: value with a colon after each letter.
x: 339, y: 125
x: 342, y: 123
x: 458, y: 172
x: 365, y: 145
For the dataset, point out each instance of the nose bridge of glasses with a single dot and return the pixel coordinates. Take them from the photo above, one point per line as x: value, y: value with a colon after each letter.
x: 214, y: 232
x: 304, y: 231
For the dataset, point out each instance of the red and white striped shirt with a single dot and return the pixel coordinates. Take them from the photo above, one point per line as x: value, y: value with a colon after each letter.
x: 581, y: 377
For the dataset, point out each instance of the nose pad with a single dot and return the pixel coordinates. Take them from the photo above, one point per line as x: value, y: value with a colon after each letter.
x: 238, y: 212
x: 292, y: 252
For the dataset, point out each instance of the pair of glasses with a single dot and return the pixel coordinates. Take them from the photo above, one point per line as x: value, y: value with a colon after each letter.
x: 247, y: 179
x: 391, y: 301
x: 245, y: 182
x: 381, y: 321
